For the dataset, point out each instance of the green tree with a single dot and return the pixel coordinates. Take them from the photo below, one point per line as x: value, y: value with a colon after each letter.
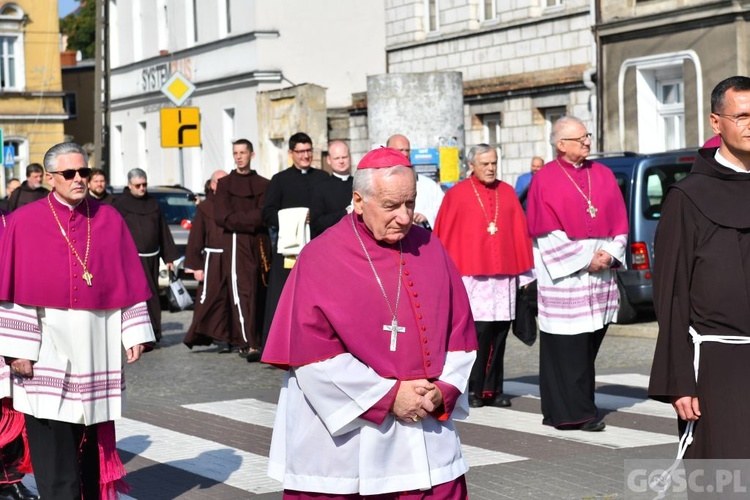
x: 80, y: 26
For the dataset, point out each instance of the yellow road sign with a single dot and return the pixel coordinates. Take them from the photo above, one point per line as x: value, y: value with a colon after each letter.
x: 180, y: 127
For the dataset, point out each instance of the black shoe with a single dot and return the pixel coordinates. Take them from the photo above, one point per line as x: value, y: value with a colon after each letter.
x: 500, y: 401
x: 594, y: 425
x: 475, y: 402
x: 254, y: 355
x: 17, y: 491
x: 224, y: 348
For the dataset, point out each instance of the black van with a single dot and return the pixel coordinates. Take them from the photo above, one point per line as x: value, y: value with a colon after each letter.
x: 643, y: 180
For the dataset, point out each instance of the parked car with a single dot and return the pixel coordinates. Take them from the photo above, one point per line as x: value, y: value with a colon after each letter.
x: 643, y: 180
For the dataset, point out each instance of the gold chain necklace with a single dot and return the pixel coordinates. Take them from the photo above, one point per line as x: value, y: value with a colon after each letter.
x: 87, y: 276
x: 491, y: 226
x: 591, y: 208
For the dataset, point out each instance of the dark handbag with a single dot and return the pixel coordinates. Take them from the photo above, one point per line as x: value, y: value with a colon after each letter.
x: 178, y: 297
x: 524, y: 326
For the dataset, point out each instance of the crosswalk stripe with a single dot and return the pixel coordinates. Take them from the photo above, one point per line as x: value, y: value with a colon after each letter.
x: 253, y: 411
x: 627, y: 379
x: 604, y: 401
x: 224, y: 464
x: 613, y: 437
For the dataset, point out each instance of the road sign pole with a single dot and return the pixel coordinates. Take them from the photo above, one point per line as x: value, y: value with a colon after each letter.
x: 182, y: 168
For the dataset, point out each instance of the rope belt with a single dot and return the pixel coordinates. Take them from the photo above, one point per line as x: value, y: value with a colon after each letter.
x: 208, y: 251
x: 665, y: 479
x: 235, y: 292
x: 152, y: 254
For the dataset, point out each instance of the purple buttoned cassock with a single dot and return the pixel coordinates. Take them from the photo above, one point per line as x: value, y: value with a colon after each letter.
x: 38, y: 268
x: 332, y: 304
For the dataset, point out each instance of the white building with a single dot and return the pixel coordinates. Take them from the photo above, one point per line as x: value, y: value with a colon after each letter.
x: 230, y: 50
x: 524, y: 64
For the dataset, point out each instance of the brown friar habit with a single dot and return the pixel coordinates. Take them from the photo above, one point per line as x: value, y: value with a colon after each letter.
x: 702, y: 280
x: 152, y: 239
x: 211, y: 315
x: 23, y: 195
x: 238, y: 202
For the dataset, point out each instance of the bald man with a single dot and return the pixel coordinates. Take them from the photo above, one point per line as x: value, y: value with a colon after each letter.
x: 524, y: 180
x: 429, y: 194
x: 203, y: 256
x: 332, y: 198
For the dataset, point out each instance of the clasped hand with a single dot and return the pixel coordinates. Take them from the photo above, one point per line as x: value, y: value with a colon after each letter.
x: 602, y: 261
x: 416, y: 399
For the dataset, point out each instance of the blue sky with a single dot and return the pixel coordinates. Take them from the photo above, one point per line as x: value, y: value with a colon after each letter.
x: 65, y: 7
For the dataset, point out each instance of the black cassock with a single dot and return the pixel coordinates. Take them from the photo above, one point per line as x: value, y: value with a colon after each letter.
x: 329, y: 202
x: 289, y: 188
x: 702, y: 279
x: 152, y: 236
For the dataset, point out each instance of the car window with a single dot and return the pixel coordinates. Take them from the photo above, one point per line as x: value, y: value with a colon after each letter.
x: 656, y: 181
x: 176, y: 206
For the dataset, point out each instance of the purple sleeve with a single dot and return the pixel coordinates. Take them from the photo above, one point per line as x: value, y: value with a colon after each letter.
x: 450, y: 396
x: 377, y: 413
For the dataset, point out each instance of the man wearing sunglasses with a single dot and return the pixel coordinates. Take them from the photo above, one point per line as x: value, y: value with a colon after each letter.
x: 152, y: 237
x: 66, y: 324
x: 30, y: 190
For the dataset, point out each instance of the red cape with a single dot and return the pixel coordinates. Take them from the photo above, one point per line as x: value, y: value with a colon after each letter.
x: 331, y: 305
x: 37, y: 267
x: 462, y: 228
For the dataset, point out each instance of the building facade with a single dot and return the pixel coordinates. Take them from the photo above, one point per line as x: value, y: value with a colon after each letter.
x: 524, y: 64
x: 31, y: 97
x: 231, y: 50
x: 660, y: 61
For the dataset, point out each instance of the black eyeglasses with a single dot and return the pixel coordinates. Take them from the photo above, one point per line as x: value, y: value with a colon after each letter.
x: 302, y: 151
x: 579, y: 140
x: 70, y: 174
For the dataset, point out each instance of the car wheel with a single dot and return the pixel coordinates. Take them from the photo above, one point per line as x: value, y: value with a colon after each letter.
x: 627, y: 313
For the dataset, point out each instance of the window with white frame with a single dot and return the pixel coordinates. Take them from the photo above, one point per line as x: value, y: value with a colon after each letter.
x: 553, y: 3
x: 432, y: 15
x: 488, y: 10
x: 491, y: 129
x: 229, y: 136
x: 142, y: 145
x: 670, y: 95
x: 660, y: 97
x: 11, y: 60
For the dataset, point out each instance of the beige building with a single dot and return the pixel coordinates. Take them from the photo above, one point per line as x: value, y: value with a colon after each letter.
x: 660, y: 61
x: 31, y: 97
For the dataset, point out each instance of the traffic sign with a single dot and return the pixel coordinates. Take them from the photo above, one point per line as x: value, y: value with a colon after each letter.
x: 180, y: 127
x: 178, y: 88
x: 9, y: 156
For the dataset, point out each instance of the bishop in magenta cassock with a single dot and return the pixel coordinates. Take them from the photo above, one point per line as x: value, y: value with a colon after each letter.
x: 376, y: 334
x: 576, y: 215
x: 69, y: 307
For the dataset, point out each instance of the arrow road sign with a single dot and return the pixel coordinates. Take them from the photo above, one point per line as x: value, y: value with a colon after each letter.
x: 180, y: 127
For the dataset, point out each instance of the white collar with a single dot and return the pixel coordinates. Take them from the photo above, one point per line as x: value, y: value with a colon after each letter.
x: 65, y: 202
x: 723, y: 161
x: 343, y: 177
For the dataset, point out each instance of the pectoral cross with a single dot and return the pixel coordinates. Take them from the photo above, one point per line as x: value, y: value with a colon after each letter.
x: 395, y: 330
x: 87, y: 277
x: 492, y: 228
x: 592, y: 210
